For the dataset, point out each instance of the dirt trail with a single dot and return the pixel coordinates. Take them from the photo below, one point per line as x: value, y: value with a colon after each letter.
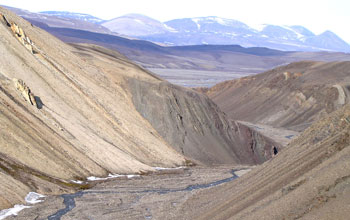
x: 341, y: 94
x: 280, y: 135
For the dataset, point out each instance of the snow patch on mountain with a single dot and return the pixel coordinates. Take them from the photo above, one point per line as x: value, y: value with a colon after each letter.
x: 221, y: 21
x: 139, y: 21
x: 258, y: 27
x: 196, y: 20
x: 299, y: 35
x: 31, y: 198
x: 170, y: 28
x: 73, y: 15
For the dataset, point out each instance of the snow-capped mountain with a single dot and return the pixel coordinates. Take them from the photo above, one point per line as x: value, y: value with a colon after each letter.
x: 209, y: 30
x: 137, y: 25
x: 328, y: 40
x: 302, y: 30
x: 210, y: 24
x: 300, y: 37
x: 195, y: 31
x: 62, y: 20
x: 220, y: 31
x: 72, y: 15
x: 281, y: 33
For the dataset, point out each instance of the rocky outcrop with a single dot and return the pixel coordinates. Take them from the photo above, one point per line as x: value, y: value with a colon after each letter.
x: 288, y: 75
x: 19, y: 34
x: 22, y: 37
x: 25, y: 91
x: 4, y: 20
x: 262, y: 147
x: 196, y: 127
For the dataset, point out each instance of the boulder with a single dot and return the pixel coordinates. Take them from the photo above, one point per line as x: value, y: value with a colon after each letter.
x: 20, y: 35
x: 4, y: 20
x: 287, y: 75
x: 25, y: 91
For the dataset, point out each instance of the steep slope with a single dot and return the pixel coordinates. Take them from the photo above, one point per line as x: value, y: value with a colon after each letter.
x: 308, y: 180
x: 70, y: 113
x: 291, y: 96
x: 190, y: 122
x: 83, y: 122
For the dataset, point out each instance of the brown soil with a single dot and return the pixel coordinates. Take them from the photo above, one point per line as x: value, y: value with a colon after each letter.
x: 101, y: 113
x: 291, y: 96
x: 307, y: 180
x: 98, y: 113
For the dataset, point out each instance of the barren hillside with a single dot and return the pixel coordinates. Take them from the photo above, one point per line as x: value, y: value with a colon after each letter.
x: 63, y: 119
x: 307, y: 180
x: 68, y: 113
x: 291, y: 96
x: 189, y: 121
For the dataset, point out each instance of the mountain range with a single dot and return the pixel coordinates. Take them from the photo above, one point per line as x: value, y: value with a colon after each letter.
x: 64, y: 19
x: 195, y: 31
x: 72, y: 15
x: 190, y: 66
x: 221, y: 31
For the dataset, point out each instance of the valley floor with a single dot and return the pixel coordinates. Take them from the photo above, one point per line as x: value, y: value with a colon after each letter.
x: 155, y: 196
x: 200, y: 78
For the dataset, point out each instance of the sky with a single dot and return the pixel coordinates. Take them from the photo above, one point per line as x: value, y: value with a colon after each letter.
x: 316, y: 15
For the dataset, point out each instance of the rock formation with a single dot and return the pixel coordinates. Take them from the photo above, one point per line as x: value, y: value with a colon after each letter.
x: 25, y: 91
x: 22, y: 37
x: 19, y: 33
x: 196, y: 127
x: 286, y: 75
x: 4, y: 20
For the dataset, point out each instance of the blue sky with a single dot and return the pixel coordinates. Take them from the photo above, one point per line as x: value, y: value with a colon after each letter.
x: 316, y: 15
